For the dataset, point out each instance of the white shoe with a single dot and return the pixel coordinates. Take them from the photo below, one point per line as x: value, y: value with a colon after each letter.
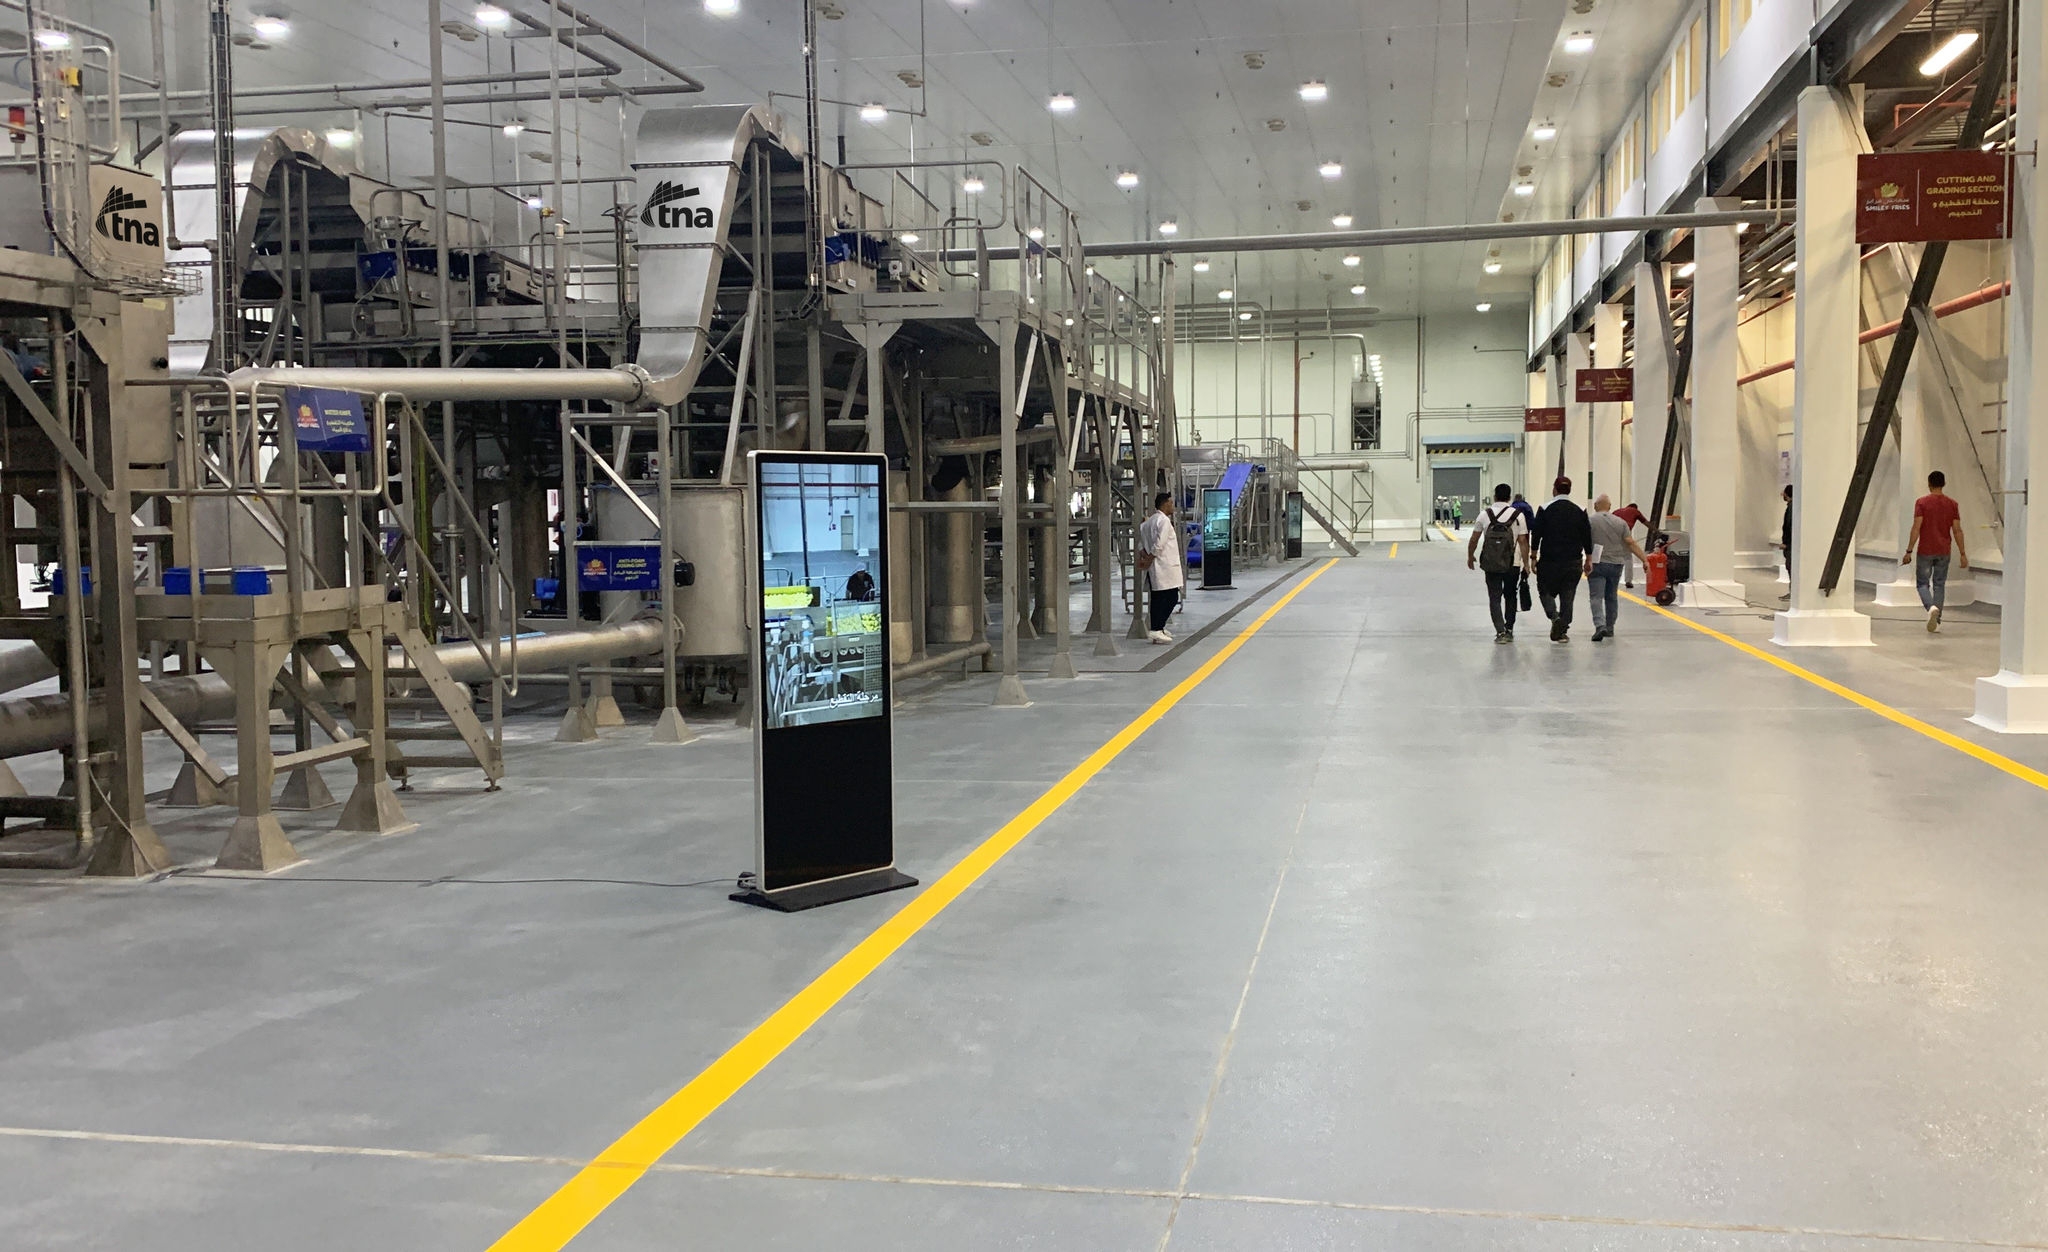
x: 1933, y: 619
x: 1166, y: 635
x: 1159, y: 636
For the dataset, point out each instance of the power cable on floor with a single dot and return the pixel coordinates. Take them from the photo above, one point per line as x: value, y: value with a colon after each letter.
x: 728, y: 881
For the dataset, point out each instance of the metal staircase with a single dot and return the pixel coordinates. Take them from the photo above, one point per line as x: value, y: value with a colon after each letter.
x: 481, y: 747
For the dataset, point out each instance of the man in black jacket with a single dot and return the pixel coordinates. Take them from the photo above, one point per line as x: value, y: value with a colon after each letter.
x: 1562, y: 540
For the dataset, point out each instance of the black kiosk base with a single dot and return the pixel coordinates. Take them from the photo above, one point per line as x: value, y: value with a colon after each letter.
x: 811, y: 895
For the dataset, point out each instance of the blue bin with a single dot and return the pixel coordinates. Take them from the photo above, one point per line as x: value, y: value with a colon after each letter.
x: 178, y: 580
x: 251, y: 580
x: 57, y: 581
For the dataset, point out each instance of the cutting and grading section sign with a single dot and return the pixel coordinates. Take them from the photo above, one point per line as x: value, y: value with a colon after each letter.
x: 1917, y: 197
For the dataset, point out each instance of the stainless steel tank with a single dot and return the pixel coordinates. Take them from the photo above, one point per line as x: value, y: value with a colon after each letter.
x: 902, y: 640
x: 710, y: 524
x: 953, y: 564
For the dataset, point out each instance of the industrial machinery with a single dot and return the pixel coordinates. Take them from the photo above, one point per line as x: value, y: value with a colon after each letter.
x: 388, y: 457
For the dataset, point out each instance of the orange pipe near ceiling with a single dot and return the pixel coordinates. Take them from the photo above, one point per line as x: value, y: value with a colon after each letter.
x: 1976, y: 299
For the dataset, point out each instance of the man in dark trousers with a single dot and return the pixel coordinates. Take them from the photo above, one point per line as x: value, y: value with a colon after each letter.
x: 1562, y: 540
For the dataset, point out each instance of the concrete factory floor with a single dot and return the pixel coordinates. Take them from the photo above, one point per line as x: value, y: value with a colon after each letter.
x: 1382, y: 936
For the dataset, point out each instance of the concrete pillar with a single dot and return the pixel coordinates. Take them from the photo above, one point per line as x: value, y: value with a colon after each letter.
x: 1606, y: 418
x: 1825, y: 404
x: 2015, y: 700
x: 1651, y: 409
x: 1578, y: 418
x: 1539, y: 448
x: 1716, y: 362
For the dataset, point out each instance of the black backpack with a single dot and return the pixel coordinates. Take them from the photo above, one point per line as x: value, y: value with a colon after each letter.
x: 1497, y: 547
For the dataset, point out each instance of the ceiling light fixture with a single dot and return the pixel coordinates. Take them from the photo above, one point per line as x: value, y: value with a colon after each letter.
x: 1742, y: 228
x: 53, y: 40
x: 1688, y: 269
x: 1156, y: 319
x: 1525, y: 190
x: 491, y: 17
x: 1491, y: 267
x: 1358, y: 290
x: 270, y: 26
x: 1353, y: 261
x: 973, y: 185
x: 1201, y: 267
x: 1579, y: 42
x: 1483, y: 307
x: 338, y: 138
x: 1342, y: 221
x: 535, y: 202
x: 1036, y: 232
x: 1332, y: 169
x: 722, y: 8
x: 515, y: 129
x: 1225, y: 294
x: 908, y: 236
x: 1544, y: 132
x: 1069, y: 321
x: 873, y: 113
x: 1946, y: 54
x: 1169, y: 227
x: 1127, y: 180
x: 1245, y: 316
x: 1061, y: 103
x: 1315, y: 91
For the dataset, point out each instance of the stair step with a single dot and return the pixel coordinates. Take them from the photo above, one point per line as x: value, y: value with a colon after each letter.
x: 449, y: 761
x: 411, y: 702
x: 409, y: 734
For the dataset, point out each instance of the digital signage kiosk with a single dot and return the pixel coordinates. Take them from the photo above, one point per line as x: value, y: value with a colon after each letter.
x: 1215, y: 537
x: 1294, y: 525
x: 823, y: 795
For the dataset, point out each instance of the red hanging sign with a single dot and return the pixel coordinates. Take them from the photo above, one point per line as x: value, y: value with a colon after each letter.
x: 1540, y: 421
x: 1605, y: 386
x: 1916, y: 197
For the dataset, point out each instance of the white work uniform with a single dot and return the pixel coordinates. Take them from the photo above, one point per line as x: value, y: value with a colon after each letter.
x: 1159, y: 536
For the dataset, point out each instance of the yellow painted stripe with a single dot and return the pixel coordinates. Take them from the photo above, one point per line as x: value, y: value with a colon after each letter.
x: 565, y: 1213
x: 1393, y: 550
x: 2025, y: 773
x: 1446, y: 534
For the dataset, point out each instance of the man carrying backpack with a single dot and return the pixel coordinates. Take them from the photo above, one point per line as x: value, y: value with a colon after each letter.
x: 1500, y: 547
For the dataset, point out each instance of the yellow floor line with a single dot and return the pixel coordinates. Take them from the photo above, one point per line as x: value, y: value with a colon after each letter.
x: 1393, y: 551
x: 565, y: 1213
x: 2025, y: 773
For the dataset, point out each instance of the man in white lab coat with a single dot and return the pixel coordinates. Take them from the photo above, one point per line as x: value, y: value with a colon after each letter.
x: 1159, y: 556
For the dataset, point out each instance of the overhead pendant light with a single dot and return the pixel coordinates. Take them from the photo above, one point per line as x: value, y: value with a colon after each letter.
x: 873, y: 113
x: 1036, y: 232
x: 1525, y: 190
x: 491, y: 17
x: 535, y: 202
x: 1579, y: 42
x: 1156, y: 319
x: 1483, y: 307
x: 1244, y: 316
x: 1225, y: 294
x: 269, y: 26
x: 1201, y: 267
x: 1061, y: 103
x: 1742, y: 228
x: 1315, y: 91
x: 1127, y: 180
x: 339, y: 138
x: 722, y: 8
x: 1067, y: 321
x: 1169, y: 227
x: 1544, y: 132
x: 1491, y: 267
x: 1688, y: 269
x: 53, y: 40
x: 1342, y: 221
x: 1353, y: 261
x: 908, y: 236
x: 515, y: 129
x: 1946, y: 54
x: 1358, y: 290
x: 1332, y: 169
x: 973, y: 185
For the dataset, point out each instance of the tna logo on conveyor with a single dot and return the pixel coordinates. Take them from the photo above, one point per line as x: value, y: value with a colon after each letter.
x: 662, y: 210
x: 126, y: 229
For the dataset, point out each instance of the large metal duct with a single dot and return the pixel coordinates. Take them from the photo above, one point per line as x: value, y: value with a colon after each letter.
x: 43, y: 723
x: 23, y: 663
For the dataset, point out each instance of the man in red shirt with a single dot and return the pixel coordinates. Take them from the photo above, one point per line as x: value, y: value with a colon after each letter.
x: 1937, y: 523
x: 1631, y: 517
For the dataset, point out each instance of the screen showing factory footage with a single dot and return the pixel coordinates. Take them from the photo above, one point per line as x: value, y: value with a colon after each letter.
x: 824, y: 653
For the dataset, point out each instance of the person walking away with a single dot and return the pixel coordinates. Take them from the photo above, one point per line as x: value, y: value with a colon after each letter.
x: 1159, y: 556
x: 1528, y: 512
x: 1785, y: 542
x: 1937, y: 528
x: 1499, y: 546
x: 1632, y: 517
x: 1563, y: 545
x: 1612, y: 546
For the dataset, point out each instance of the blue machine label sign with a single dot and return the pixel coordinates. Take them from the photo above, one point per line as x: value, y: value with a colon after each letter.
x: 326, y: 420
x: 620, y: 567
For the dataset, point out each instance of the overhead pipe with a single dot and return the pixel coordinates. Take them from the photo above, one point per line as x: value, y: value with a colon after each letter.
x: 43, y: 723
x: 1477, y: 232
x: 1976, y: 299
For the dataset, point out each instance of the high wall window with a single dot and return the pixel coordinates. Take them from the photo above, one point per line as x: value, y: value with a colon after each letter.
x: 1365, y: 424
x: 1624, y: 164
x: 1729, y: 18
x: 1681, y: 80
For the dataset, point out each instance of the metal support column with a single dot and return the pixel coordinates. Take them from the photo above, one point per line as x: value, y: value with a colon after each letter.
x: 670, y: 727
x: 1010, y: 688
